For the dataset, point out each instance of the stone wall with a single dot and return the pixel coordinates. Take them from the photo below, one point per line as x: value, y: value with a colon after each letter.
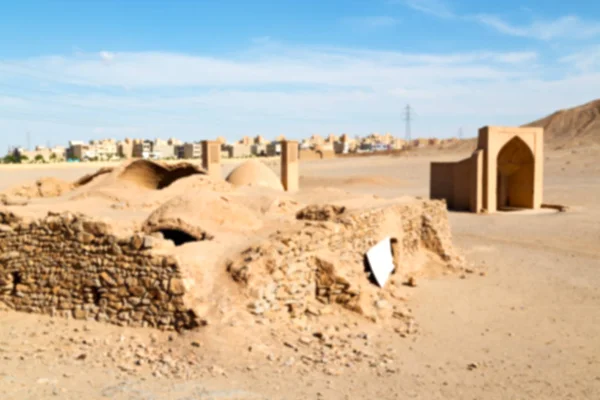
x: 73, y: 266
x: 324, y: 261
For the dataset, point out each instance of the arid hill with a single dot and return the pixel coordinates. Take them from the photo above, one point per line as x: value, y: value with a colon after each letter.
x: 572, y: 127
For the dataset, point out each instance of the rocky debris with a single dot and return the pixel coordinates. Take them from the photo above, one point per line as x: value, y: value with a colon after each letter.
x: 336, y: 348
x: 472, y: 366
x: 557, y: 207
x: 320, y: 212
x: 13, y: 201
x: 321, y: 264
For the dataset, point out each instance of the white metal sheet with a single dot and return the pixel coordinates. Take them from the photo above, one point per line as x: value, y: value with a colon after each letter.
x: 381, y: 260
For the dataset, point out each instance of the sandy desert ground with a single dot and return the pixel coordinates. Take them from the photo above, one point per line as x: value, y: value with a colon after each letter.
x: 528, y: 328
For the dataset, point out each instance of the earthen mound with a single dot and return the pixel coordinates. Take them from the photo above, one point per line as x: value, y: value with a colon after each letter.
x: 44, y: 187
x: 156, y: 176
x: 201, y: 215
x: 84, y: 180
x: 254, y: 173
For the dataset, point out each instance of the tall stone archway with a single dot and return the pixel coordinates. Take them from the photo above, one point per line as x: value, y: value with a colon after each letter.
x: 515, y: 175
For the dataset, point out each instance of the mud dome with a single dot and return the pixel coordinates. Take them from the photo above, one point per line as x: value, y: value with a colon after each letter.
x: 203, y: 244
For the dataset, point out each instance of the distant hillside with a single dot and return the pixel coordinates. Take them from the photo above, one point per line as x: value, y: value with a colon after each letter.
x: 575, y: 126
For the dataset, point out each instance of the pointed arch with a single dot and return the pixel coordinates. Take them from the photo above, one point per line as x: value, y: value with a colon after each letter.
x: 515, y: 175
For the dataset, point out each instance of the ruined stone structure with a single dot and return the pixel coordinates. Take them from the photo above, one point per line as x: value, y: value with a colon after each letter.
x: 162, y: 242
x: 71, y: 265
x: 505, y: 172
x: 322, y: 262
x: 211, y: 158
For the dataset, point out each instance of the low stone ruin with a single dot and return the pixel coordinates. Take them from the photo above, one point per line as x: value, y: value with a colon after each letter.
x: 71, y: 265
x: 164, y: 260
x: 322, y: 262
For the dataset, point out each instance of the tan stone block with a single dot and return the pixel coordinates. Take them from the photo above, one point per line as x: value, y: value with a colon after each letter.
x: 176, y: 286
x: 85, y: 237
x: 106, y: 278
x: 137, y: 241
x: 137, y: 291
x: 22, y: 288
x: 79, y: 314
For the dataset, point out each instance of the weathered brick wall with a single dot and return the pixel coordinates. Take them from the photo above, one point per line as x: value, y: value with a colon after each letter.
x: 323, y: 260
x: 70, y: 265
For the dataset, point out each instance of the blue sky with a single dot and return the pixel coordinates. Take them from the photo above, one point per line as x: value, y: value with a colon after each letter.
x: 200, y: 69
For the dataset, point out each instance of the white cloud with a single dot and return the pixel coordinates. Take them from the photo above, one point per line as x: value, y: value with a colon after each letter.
x: 372, y: 22
x: 570, y: 27
x: 275, y: 88
x: 330, y: 67
x: 586, y: 60
x: 564, y: 27
x: 106, y: 56
x: 438, y: 8
x: 6, y: 101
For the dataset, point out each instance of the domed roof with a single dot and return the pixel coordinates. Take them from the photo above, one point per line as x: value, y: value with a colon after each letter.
x: 254, y: 173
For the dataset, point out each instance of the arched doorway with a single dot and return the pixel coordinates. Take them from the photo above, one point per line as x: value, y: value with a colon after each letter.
x: 515, y: 184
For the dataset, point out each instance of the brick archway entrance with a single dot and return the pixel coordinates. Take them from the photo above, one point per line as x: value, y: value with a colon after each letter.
x: 515, y: 176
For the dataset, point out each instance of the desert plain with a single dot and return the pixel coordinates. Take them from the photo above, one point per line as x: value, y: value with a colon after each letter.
x: 522, y: 322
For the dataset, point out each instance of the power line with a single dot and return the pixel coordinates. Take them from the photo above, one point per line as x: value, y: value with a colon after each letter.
x: 408, y: 118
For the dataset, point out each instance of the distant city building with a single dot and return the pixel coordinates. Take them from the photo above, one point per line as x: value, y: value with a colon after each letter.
x: 238, y: 150
x: 125, y: 148
x: 109, y: 149
x: 142, y: 148
x: 260, y: 140
x: 105, y: 149
x: 161, y: 149
x: 189, y: 151
x: 40, y: 153
x: 341, y: 147
x: 398, y: 144
x: 316, y: 139
x: 259, y: 150
x: 274, y: 149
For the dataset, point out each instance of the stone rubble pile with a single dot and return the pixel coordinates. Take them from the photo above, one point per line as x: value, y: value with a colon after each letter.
x: 322, y: 262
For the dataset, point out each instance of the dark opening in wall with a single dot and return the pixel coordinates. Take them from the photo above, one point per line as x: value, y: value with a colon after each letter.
x: 16, y: 280
x: 178, y: 237
x: 97, y: 295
